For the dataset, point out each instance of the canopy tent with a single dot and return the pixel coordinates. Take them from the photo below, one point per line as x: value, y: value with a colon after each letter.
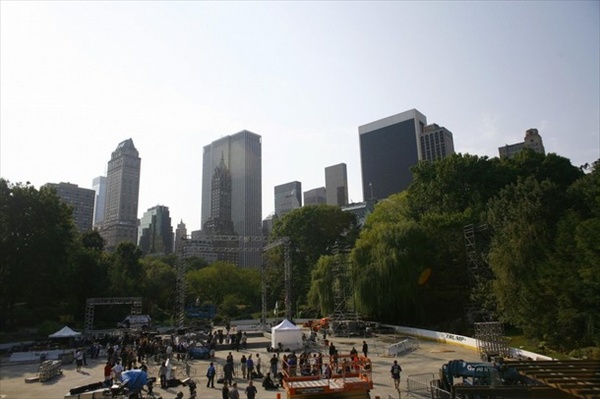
x: 286, y: 334
x: 65, y: 332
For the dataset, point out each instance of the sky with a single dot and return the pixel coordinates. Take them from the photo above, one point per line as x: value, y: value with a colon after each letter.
x: 79, y: 77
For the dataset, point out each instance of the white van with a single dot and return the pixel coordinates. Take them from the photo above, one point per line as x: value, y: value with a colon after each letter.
x: 135, y: 321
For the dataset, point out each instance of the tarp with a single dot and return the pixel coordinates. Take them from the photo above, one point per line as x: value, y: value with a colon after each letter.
x: 286, y: 333
x: 65, y: 332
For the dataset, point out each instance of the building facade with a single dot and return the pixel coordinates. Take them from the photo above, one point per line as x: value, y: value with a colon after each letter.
x: 436, y: 143
x: 99, y: 186
x: 180, y: 235
x: 81, y: 201
x: 390, y: 146
x: 336, y: 185
x: 288, y: 197
x: 532, y: 140
x: 316, y: 196
x: 242, y: 155
x: 122, y: 196
x: 155, y: 235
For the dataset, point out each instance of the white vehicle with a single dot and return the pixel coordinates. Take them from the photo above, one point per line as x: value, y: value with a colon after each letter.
x: 135, y: 321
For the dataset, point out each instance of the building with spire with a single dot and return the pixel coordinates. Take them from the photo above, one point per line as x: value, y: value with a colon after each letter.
x: 180, y: 235
x: 120, y: 221
x: 241, y: 153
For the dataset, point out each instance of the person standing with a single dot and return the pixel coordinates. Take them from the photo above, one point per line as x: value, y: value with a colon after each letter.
x: 108, y: 373
x: 225, y: 391
x: 210, y: 374
x: 243, y: 361
x: 250, y: 366
x: 228, y: 372
x: 395, y: 371
x: 365, y: 348
x: 274, y: 361
x: 233, y: 392
x: 162, y: 373
x: 79, y: 358
x: 257, y: 363
x: 117, y: 370
x: 250, y: 390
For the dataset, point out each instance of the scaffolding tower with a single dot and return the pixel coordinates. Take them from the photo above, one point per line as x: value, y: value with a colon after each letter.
x: 343, y: 300
x: 491, y: 342
x: 476, y: 246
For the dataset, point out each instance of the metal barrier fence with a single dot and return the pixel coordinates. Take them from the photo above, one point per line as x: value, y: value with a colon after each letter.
x: 419, y: 384
x: 439, y: 393
x: 405, y: 346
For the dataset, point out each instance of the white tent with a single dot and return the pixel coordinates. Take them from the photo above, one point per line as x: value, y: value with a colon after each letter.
x: 289, y: 335
x: 65, y: 332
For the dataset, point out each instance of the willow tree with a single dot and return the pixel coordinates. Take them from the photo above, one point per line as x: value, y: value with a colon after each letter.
x: 391, y: 253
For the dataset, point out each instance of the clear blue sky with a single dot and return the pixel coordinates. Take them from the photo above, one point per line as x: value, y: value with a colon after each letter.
x: 78, y: 77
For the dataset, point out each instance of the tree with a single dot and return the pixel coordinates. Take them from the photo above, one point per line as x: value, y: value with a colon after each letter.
x: 223, y: 283
x: 313, y: 231
x: 125, y: 270
x: 36, y: 234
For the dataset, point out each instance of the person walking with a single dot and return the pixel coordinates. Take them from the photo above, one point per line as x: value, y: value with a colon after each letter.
x: 365, y: 348
x: 210, y: 374
x: 395, y: 371
x: 250, y: 390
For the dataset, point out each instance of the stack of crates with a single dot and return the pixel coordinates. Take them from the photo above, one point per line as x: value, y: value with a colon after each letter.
x: 49, y: 369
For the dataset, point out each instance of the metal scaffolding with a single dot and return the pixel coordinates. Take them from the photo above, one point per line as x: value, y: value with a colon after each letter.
x: 491, y: 341
x: 343, y: 300
x: 477, y: 245
x: 91, y: 303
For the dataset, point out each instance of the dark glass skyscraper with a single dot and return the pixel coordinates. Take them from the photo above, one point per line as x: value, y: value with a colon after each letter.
x: 390, y: 146
x: 242, y: 155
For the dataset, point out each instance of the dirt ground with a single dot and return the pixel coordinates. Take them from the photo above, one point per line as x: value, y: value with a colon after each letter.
x: 428, y: 357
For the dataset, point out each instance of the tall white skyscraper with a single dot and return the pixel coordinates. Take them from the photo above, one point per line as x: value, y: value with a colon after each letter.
x: 122, y: 196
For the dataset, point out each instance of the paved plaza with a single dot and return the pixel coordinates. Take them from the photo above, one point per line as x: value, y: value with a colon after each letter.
x: 427, y: 357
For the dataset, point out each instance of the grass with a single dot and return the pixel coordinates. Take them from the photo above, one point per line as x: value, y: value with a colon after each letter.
x: 522, y: 342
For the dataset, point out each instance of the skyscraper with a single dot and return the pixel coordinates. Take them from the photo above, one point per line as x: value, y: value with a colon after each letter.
x: 81, y: 201
x: 242, y: 155
x: 436, y: 143
x: 390, y: 146
x: 122, y: 196
x: 99, y: 186
x: 180, y: 235
x: 288, y: 197
x: 156, y: 233
x: 336, y: 185
x: 316, y: 196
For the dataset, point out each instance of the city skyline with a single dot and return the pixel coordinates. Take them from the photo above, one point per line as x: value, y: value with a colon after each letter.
x: 303, y: 76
